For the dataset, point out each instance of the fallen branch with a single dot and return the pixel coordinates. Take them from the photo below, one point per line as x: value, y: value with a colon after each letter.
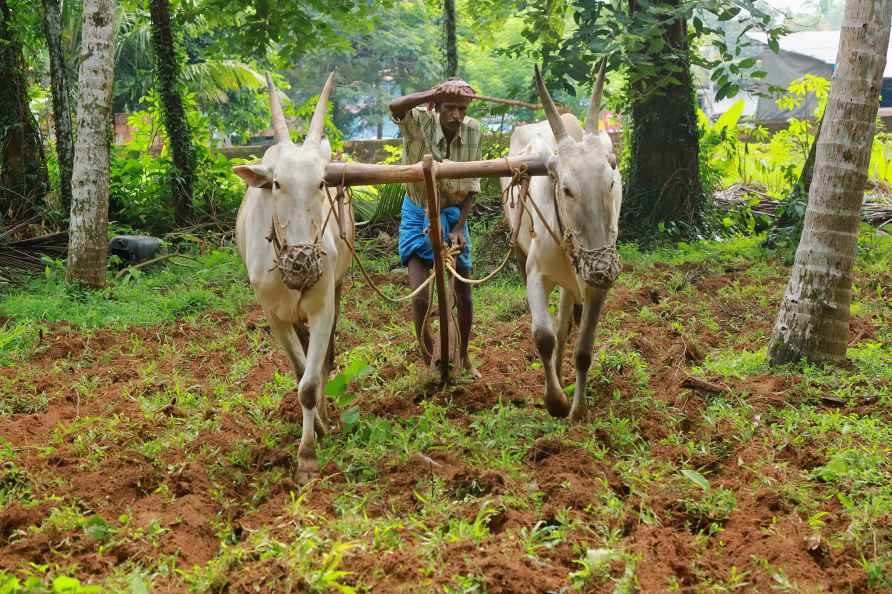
x: 153, y: 261
x: 513, y: 102
x: 735, y: 196
x: 701, y: 385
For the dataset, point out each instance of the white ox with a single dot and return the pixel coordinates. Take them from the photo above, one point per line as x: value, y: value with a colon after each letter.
x: 568, y: 236
x: 290, y: 239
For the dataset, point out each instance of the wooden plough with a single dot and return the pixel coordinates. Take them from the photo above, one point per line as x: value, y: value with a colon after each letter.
x: 428, y: 171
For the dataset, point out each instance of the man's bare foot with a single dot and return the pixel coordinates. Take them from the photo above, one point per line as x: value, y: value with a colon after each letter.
x: 469, y: 369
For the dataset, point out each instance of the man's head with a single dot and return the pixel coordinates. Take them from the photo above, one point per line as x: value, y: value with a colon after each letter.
x: 453, y: 98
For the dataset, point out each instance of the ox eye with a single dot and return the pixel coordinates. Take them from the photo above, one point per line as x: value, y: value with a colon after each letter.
x: 322, y: 185
x: 276, y: 185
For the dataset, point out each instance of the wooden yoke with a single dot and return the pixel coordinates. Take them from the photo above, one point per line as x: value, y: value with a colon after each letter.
x: 429, y: 171
x: 338, y: 174
x: 362, y: 174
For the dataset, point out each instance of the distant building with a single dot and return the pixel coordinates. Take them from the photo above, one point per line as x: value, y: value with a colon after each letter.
x: 805, y: 52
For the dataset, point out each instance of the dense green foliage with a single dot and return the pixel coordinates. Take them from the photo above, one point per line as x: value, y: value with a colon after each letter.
x: 139, y: 184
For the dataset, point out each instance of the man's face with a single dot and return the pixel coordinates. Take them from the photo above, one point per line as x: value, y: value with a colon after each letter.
x: 452, y: 114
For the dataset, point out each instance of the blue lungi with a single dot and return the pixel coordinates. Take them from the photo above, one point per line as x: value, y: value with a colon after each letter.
x: 413, y: 234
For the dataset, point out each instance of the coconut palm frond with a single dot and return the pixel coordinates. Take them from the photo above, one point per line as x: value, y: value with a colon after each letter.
x: 134, y: 41
x: 214, y: 79
x: 375, y: 205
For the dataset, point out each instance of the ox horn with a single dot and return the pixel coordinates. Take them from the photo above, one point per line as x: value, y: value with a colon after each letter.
x: 551, y: 112
x: 317, y: 124
x: 594, y: 109
x: 280, y: 126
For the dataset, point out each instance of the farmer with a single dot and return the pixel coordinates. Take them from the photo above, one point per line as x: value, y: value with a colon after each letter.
x: 447, y: 134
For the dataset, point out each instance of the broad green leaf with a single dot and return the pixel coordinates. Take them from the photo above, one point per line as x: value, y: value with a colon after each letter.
x: 336, y: 385
x: 350, y: 416
x: 8, y: 584
x: 137, y: 585
x: 345, y: 399
x: 729, y: 119
x: 696, y: 478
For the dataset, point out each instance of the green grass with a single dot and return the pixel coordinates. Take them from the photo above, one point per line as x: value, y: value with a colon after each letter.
x: 214, y: 281
x: 429, y: 488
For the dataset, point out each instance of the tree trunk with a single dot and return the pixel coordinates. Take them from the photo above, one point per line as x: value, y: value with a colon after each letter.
x: 88, y: 230
x: 52, y: 28
x: 813, y: 321
x: 178, y: 133
x: 663, y: 179
x: 23, y: 176
x: 451, y: 45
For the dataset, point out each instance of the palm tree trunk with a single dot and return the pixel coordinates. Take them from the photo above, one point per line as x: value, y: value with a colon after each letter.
x: 88, y: 230
x: 52, y: 28
x: 178, y: 133
x: 451, y: 45
x: 23, y: 176
x: 663, y: 181
x: 813, y: 321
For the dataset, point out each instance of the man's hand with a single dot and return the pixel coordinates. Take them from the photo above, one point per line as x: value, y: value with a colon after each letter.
x: 457, y: 238
x: 453, y: 88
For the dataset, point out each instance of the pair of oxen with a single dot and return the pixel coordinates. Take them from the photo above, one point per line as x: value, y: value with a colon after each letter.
x: 293, y: 237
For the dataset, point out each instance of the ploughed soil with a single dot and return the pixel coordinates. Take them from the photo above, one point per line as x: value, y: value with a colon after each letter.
x: 99, y: 443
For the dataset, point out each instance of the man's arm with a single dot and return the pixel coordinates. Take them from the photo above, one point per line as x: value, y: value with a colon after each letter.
x: 400, y: 106
x: 457, y: 234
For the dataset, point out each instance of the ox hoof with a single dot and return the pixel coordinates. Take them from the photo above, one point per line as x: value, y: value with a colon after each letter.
x: 307, y: 470
x: 578, y: 414
x: 469, y: 370
x: 557, y: 404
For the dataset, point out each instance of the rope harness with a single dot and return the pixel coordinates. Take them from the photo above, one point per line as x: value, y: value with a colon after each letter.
x: 301, y: 263
x: 597, y: 267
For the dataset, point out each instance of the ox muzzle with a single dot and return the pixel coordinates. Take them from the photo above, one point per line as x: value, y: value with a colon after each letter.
x: 598, y: 268
x: 300, y: 265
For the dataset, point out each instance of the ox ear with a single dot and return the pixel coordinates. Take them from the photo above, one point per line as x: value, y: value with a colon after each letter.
x: 256, y: 176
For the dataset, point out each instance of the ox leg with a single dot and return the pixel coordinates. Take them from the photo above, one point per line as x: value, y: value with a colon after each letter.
x: 591, y: 312
x: 287, y: 335
x: 310, y: 389
x: 329, y: 361
x: 565, y: 311
x: 293, y: 338
x: 521, y: 258
x: 538, y: 289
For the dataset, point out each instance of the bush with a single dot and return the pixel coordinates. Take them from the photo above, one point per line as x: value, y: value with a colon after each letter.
x: 140, y: 193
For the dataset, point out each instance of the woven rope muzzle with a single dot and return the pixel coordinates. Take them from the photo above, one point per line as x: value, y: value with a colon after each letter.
x: 300, y: 265
x: 599, y: 267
